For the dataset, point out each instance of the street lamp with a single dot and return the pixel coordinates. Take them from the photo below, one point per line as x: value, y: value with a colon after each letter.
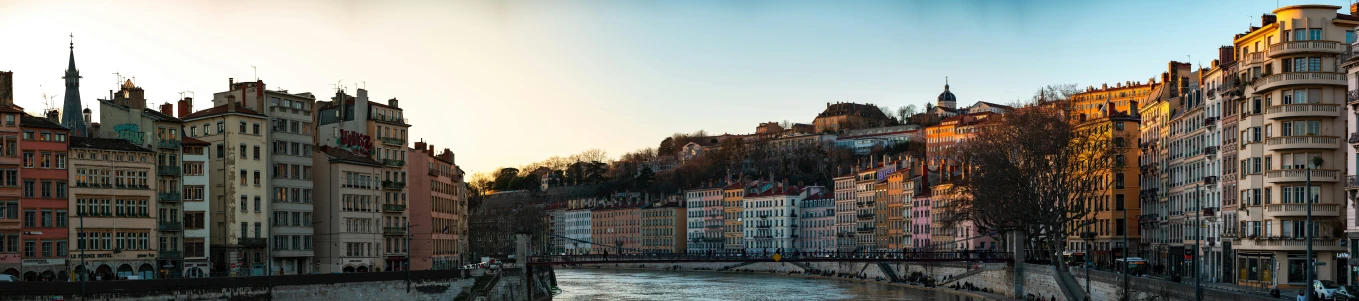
x: 1198, y: 238
x: 1311, y: 292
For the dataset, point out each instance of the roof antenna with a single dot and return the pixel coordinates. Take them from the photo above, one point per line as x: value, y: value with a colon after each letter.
x: 257, y: 73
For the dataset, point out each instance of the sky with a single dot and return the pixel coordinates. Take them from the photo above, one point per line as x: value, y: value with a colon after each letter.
x: 505, y: 83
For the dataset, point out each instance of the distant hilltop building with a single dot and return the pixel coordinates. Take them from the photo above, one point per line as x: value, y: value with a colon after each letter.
x: 848, y: 115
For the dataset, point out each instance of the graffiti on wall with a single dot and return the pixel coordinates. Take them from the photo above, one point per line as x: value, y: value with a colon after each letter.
x: 130, y: 132
x: 355, y: 141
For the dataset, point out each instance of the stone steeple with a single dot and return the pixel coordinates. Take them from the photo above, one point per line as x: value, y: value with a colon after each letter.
x: 70, y: 110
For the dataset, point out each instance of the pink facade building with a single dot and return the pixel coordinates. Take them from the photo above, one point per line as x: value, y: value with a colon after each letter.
x: 44, y: 202
x: 437, y: 209
x: 10, y: 245
x: 616, y: 224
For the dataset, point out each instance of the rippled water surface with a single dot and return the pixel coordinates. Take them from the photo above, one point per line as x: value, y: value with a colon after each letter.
x: 592, y: 284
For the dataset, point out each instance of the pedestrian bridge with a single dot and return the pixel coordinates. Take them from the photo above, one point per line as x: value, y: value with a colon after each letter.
x: 876, y: 257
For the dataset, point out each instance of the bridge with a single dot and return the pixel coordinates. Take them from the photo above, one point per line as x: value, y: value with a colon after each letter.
x: 875, y: 257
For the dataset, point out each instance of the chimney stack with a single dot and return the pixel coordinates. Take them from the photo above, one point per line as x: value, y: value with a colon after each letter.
x: 185, y: 107
x: 231, y: 103
x: 1267, y: 19
x: 231, y: 83
x: 53, y: 116
x: 167, y: 109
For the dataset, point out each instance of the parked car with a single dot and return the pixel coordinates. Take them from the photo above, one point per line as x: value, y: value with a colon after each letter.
x: 1347, y: 293
x: 8, y: 278
x: 1325, y: 289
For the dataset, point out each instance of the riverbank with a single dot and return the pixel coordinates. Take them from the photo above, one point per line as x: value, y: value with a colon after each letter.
x: 972, y: 295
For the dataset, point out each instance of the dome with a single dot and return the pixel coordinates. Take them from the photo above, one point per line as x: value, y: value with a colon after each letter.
x: 947, y: 96
x: 87, y: 110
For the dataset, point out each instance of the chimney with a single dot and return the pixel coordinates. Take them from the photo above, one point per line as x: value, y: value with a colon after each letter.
x: 1267, y: 19
x: 1354, y: 9
x: 185, y: 107
x: 393, y: 103
x: 53, y: 116
x: 167, y: 109
x: 6, y: 87
x: 231, y: 103
x: 231, y: 83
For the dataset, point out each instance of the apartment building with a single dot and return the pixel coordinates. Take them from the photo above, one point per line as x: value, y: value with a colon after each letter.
x: 438, y: 210
x: 124, y: 115
x: 1226, y: 87
x: 196, y: 192
x: 115, y: 220
x: 1291, y: 119
x: 816, y: 231
x: 845, y: 219
x: 704, y: 223
x: 239, y: 163
x: 45, y: 198
x: 733, y: 231
x: 578, y: 230
x: 663, y: 227
x: 769, y: 215
x: 291, y: 135
x: 1109, y: 234
x: 349, y: 229
x: 616, y: 224
x: 865, y: 208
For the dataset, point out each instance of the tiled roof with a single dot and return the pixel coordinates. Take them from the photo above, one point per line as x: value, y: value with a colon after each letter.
x: 195, y: 142
x: 105, y: 143
x: 344, y: 155
x: 161, y: 116
x: 222, y: 109
x: 11, y: 109
x: 26, y: 120
x: 995, y: 105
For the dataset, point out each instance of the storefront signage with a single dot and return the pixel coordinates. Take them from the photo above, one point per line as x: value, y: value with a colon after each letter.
x: 355, y: 141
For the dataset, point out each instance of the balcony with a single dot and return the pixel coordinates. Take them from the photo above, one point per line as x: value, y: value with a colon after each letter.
x: 1298, y: 47
x: 169, y: 197
x: 1352, y: 97
x: 169, y: 254
x: 394, y: 230
x: 1300, y: 175
x: 866, y: 216
x: 866, y: 229
x: 1301, y: 142
x: 713, y: 226
x: 1304, y: 110
x: 167, y: 170
x: 1255, y: 58
x: 1351, y: 181
x: 1210, y: 151
x: 168, y: 144
x: 1292, y: 244
x: 393, y: 208
x: 393, y: 141
x: 170, y: 226
x: 764, y: 226
x: 260, y: 242
x: 1354, y: 139
x: 393, y: 162
x: 1299, y: 210
x: 393, y: 185
x: 1210, y: 122
x: 1210, y: 180
x: 1266, y: 83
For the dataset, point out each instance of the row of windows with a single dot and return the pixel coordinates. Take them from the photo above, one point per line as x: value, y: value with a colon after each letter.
x: 111, y: 240
x: 45, y: 160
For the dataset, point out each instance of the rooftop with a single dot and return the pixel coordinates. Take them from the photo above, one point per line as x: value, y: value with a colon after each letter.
x: 106, y: 144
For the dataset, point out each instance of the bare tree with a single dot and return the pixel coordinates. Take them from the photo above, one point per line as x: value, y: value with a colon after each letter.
x: 1035, y: 171
x: 904, y: 113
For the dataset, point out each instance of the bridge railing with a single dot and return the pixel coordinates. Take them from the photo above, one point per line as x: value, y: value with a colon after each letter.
x: 770, y: 256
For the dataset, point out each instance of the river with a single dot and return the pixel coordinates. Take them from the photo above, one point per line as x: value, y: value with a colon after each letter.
x: 591, y: 284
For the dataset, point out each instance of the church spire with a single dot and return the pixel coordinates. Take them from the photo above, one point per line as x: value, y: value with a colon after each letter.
x: 70, y: 110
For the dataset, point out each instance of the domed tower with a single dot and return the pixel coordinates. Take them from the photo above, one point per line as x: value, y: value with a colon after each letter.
x: 947, y: 99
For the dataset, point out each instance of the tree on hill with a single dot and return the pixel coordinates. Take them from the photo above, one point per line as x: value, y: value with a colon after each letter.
x: 644, y: 178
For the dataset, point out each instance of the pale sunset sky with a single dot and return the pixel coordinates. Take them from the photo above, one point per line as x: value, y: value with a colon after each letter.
x: 504, y: 83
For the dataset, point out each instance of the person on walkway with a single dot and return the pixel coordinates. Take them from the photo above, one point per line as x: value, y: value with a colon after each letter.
x: 1302, y: 296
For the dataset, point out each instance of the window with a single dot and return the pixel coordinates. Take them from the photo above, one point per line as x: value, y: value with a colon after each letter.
x: 242, y: 127
x: 257, y: 178
x: 257, y: 204
x: 244, y: 205
x: 221, y: 151
x: 245, y: 178
x: 29, y: 188
x: 30, y: 218
x: 28, y: 159
x: 245, y: 227
x: 244, y: 153
x: 257, y: 152
x: 255, y: 128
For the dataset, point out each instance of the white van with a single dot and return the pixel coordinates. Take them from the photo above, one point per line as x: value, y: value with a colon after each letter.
x: 8, y: 278
x: 130, y: 277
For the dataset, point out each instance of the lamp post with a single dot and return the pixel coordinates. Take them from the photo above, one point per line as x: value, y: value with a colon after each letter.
x: 1124, y: 207
x: 1311, y: 292
x: 1198, y: 241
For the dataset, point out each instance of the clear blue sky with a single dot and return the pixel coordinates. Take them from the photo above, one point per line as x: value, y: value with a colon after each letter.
x: 503, y: 83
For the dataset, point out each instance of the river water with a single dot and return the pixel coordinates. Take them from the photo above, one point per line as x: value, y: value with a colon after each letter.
x: 593, y: 284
